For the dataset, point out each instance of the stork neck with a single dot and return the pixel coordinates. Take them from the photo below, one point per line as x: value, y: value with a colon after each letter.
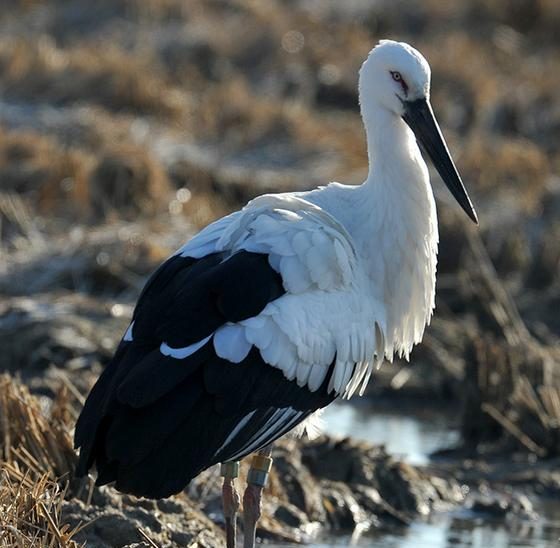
x: 394, y: 226
x: 390, y: 143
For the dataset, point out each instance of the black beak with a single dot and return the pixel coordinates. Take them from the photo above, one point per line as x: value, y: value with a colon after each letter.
x: 420, y: 118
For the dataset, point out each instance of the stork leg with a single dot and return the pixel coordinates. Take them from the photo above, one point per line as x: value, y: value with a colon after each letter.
x: 256, y: 481
x: 230, y: 500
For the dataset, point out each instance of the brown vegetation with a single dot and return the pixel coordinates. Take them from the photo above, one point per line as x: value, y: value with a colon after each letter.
x: 36, y: 465
x: 53, y: 178
x: 30, y: 514
x: 100, y: 74
x: 34, y: 444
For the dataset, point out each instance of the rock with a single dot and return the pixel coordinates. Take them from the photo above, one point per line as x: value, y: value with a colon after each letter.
x: 41, y: 336
x: 180, y: 538
x: 169, y: 506
x: 343, y: 510
x: 300, y: 487
x: 501, y: 506
x: 404, y: 488
x: 290, y: 515
x: 108, y: 527
x: 448, y: 490
x: 105, y: 497
x: 146, y: 518
x: 116, y: 530
x: 377, y: 509
x: 135, y: 502
x: 112, y: 527
x: 343, y: 460
x: 400, y: 486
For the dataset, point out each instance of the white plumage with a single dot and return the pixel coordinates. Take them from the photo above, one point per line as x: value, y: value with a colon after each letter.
x: 339, y: 305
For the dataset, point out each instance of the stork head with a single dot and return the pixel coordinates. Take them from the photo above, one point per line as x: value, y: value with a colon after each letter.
x: 396, y: 77
x: 394, y: 73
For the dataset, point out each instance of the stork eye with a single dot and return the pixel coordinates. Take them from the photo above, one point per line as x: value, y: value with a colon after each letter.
x: 397, y: 77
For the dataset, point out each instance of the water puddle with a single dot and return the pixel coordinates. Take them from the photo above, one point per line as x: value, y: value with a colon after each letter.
x: 460, y: 531
x: 412, y: 437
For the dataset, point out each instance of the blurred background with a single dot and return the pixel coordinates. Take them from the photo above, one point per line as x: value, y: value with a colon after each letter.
x: 128, y: 125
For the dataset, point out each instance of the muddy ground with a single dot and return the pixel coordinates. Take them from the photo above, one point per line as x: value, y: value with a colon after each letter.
x: 127, y: 125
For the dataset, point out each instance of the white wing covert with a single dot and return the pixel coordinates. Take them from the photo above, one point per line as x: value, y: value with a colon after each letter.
x: 323, y: 316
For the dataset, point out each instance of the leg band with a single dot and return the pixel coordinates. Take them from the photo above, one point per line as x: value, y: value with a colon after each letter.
x: 260, y: 462
x: 229, y: 469
x: 258, y: 473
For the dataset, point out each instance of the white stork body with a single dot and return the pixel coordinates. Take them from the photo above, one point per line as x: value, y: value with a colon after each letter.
x: 274, y: 311
x: 358, y: 267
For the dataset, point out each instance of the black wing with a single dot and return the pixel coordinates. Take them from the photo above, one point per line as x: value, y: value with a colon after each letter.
x: 153, y: 422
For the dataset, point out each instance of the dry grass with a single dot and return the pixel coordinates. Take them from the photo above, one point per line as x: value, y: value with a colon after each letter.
x: 36, y: 463
x: 53, y: 177
x: 34, y: 443
x: 128, y: 182
x: 30, y: 514
x: 517, y: 167
x: 122, y: 180
x: 232, y: 109
x: 532, y: 416
x: 101, y: 74
x: 536, y: 409
x: 511, y: 379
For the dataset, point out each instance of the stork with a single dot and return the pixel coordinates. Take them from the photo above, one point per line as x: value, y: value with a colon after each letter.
x: 273, y: 312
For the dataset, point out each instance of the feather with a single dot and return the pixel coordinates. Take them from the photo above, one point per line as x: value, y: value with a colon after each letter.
x: 128, y: 336
x: 185, y: 352
x: 316, y: 377
x: 301, y: 243
x: 294, y: 275
x: 303, y: 372
x: 231, y: 344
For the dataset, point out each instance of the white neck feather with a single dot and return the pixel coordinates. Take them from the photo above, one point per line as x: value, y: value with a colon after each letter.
x: 399, y: 207
x: 392, y: 219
